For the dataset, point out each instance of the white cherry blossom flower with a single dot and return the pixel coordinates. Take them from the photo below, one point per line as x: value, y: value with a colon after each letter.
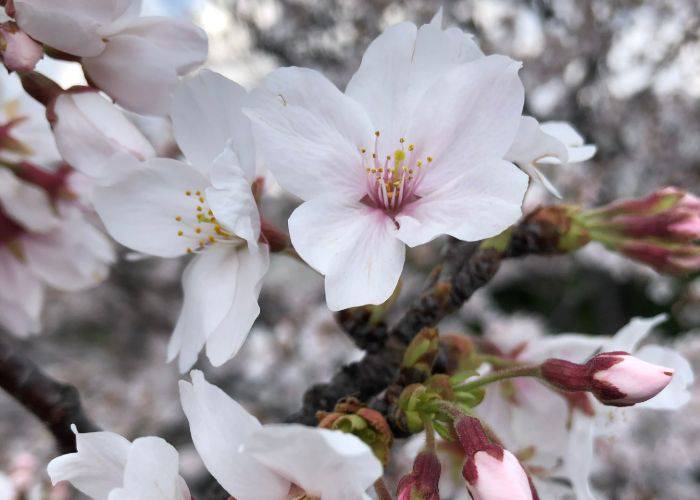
x: 412, y: 150
x: 169, y: 208
x: 267, y: 462
x: 108, y: 466
x: 547, y: 143
x: 136, y: 60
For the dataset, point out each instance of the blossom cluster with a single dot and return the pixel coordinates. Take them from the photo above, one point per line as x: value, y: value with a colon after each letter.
x: 428, y: 139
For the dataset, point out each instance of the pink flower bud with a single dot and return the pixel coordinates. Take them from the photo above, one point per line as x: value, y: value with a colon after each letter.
x: 422, y: 482
x: 19, y: 52
x: 614, y: 378
x: 492, y: 473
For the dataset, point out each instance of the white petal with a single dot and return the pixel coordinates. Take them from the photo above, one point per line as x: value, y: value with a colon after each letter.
x: 564, y: 132
x: 477, y: 205
x: 219, y: 426
x: 468, y: 116
x: 571, y: 347
x: 89, y: 130
x: 677, y: 393
x: 532, y: 143
x: 151, y: 472
x: 231, y: 198
x: 536, y: 173
x: 17, y: 320
x: 355, y: 246
x: 139, y: 211
x: 209, y: 286
x: 328, y: 464
x: 26, y: 203
x: 225, y: 341
x: 97, y: 467
x: 580, y: 456
x: 165, y: 49
x: 629, y: 337
x: 310, y: 134
x: 207, y: 115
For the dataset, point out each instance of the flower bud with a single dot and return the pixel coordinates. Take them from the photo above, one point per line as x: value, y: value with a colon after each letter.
x: 614, y: 378
x: 420, y: 355
x: 19, y: 52
x: 423, y: 481
x: 661, y: 230
x: 492, y: 473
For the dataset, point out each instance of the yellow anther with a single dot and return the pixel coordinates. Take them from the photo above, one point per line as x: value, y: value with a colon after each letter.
x: 373, y: 170
x: 199, y: 209
x: 380, y: 170
x: 212, y: 239
x: 189, y: 250
x: 419, y: 164
x: 363, y: 150
x: 388, y: 157
x: 210, y: 213
x: 202, y: 243
x: 198, y: 230
x: 411, y: 147
x: 374, y: 155
x: 376, y: 133
x: 180, y: 233
x: 368, y: 169
x: 198, y: 193
x: 178, y: 218
x: 201, y: 200
x: 430, y: 158
x: 188, y: 193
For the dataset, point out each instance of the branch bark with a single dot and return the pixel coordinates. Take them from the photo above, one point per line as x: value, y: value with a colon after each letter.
x: 57, y: 405
x: 465, y: 269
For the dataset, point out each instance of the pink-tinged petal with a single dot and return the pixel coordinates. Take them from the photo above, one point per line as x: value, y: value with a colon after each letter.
x: 398, y: 68
x: 532, y: 144
x: 469, y: 116
x: 219, y: 427
x: 228, y: 337
x: 140, y: 211
x: 21, y: 53
x: 151, y: 472
x: 310, y: 134
x: 89, y: 130
x: 209, y: 284
x: 499, y: 478
x: 28, y: 205
x: 70, y: 26
x: 631, y: 379
x: 677, y: 393
x: 97, y: 467
x: 353, y: 245
x: 21, y: 296
x: 164, y: 49
x: 17, y: 320
x: 328, y: 464
x: 577, y: 151
x: 477, y: 205
x: 207, y: 118
x: 629, y: 336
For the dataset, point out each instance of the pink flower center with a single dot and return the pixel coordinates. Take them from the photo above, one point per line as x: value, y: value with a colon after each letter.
x: 392, y: 180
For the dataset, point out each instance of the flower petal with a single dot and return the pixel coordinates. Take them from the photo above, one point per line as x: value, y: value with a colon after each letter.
x: 310, y: 134
x: 89, y: 130
x: 328, y: 464
x: 477, y: 205
x: 677, y: 393
x: 165, y: 49
x: 228, y: 337
x: 354, y: 245
x: 26, y: 203
x: 140, y: 210
x: 207, y: 115
x: 219, y: 426
x: 629, y: 337
x: 98, y: 466
x: 470, y: 115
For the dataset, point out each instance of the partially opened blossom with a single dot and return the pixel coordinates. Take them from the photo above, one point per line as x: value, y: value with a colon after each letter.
x: 271, y: 462
x: 19, y: 51
x: 108, y: 466
x: 551, y: 142
x: 136, y: 60
x: 412, y: 150
x: 205, y: 206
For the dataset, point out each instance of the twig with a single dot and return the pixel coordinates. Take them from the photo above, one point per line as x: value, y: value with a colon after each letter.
x: 56, y: 404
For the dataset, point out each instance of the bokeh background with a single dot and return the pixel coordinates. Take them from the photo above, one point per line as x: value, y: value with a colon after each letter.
x: 625, y: 73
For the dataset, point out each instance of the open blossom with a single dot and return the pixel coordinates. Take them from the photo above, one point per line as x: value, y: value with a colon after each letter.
x: 204, y: 206
x: 412, y: 150
x: 108, y: 466
x: 136, y: 60
x: 271, y: 462
x: 551, y: 142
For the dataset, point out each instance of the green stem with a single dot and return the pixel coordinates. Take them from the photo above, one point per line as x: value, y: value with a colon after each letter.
x: 519, y: 371
x: 429, y: 434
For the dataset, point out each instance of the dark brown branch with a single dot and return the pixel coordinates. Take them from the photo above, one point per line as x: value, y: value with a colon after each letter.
x: 466, y: 268
x: 57, y: 405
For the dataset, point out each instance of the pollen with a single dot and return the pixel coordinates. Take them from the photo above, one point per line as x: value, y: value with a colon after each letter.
x: 180, y: 233
x: 178, y: 218
x: 198, y: 230
x: 199, y: 209
x: 188, y: 193
x: 376, y: 133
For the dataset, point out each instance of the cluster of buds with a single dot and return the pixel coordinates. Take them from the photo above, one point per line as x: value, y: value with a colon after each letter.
x: 491, y: 471
x: 353, y: 417
x: 661, y: 230
x: 614, y: 378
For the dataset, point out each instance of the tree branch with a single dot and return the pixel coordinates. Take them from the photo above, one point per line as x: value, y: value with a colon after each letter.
x: 57, y: 405
x: 466, y: 268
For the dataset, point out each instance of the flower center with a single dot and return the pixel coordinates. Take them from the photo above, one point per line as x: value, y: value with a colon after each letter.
x: 199, y: 227
x: 392, y: 180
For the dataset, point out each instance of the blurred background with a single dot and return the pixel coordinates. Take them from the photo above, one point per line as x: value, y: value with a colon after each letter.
x: 626, y: 74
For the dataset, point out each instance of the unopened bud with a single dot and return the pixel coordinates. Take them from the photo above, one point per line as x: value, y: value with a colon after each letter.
x: 661, y: 230
x: 420, y: 355
x: 491, y: 472
x: 614, y: 378
x: 19, y: 51
x: 423, y: 481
